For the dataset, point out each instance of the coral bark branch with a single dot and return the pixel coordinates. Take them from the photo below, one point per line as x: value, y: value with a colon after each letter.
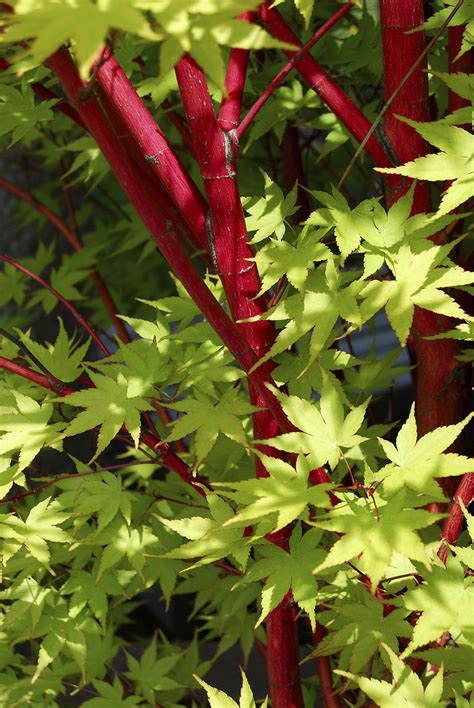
x: 440, y: 390
x: 216, y: 150
x: 140, y: 190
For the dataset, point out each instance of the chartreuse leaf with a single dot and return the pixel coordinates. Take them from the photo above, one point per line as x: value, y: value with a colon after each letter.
x: 326, y: 298
x: 446, y: 601
x: 111, y: 696
x: 86, y: 590
x: 207, y: 419
x: 418, y: 281
x: 357, y: 627
x: 219, y: 699
x: 26, y: 428
x: 200, y: 27
x: 149, y: 674
x: 268, y: 214
x: 375, y: 532
x: 284, y: 571
x: 40, y: 526
x: 415, y: 463
x: 306, y: 9
x: 19, y: 114
x: 286, y: 493
x: 63, y: 358
x: 323, y: 429
x: 455, y: 162
x: 349, y: 225
x: 108, y: 405
x: 280, y: 258
x: 101, y: 496
x: 208, y: 536
x: 48, y: 24
x: 406, y: 688
x: 464, y: 15
x: 466, y: 554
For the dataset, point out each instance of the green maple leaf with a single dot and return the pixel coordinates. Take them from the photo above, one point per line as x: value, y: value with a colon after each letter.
x: 455, y: 162
x: 26, y: 428
x: 280, y: 258
x: 40, y: 526
x: 464, y: 16
x: 446, y: 601
x: 457, y: 662
x: 350, y: 225
x: 283, y: 571
x: 286, y: 493
x: 121, y: 541
x: 406, y: 688
x: 357, y: 627
x: 418, y: 281
x: 415, y: 463
x: 108, y: 405
x: 63, y: 358
x: 111, y: 696
x: 207, y: 419
x: 219, y: 699
x: 141, y: 363
x: 19, y: 114
x: 149, y: 674
x: 85, y: 590
x: 306, y: 9
x: 323, y: 429
x: 103, y: 497
x: 199, y: 28
x: 268, y: 214
x: 208, y: 536
x: 52, y: 23
x: 318, y: 308
x: 376, y: 535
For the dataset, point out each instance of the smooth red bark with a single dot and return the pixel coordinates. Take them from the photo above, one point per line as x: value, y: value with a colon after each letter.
x: 140, y: 190
x: 453, y: 523
x: 216, y: 151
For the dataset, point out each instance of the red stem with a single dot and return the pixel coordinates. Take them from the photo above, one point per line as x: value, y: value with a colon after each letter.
x: 279, y: 78
x: 323, y: 668
x: 169, y: 458
x: 76, y: 244
x: 231, y: 104
x: 77, y: 315
x: 141, y: 191
x: 155, y: 150
x: 440, y: 390
x: 216, y: 150
x: 337, y: 100
x: 44, y: 210
x: 453, y: 523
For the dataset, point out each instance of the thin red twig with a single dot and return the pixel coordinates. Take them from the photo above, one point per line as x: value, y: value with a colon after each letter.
x: 283, y: 73
x: 337, y: 100
x: 76, y: 314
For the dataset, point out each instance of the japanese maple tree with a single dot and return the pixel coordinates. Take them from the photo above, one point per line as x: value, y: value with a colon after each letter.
x: 217, y: 223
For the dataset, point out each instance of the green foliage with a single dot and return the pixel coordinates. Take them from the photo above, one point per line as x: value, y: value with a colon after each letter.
x: 159, y: 470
